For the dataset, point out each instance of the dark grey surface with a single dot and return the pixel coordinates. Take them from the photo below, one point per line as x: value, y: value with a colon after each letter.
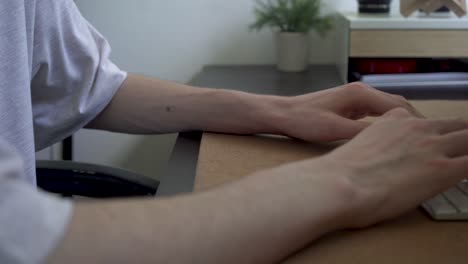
x: 180, y: 175
x: 267, y: 80
x: 445, y: 93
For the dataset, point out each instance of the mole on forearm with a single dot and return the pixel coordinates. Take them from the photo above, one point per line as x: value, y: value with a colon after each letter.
x: 170, y: 109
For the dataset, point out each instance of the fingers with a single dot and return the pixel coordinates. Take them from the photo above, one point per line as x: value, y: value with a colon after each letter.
x: 398, y: 113
x: 460, y: 168
x: 403, y: 101
x: 453, y: 139
x: 369, y: 100
x: 440, y: 126
x: 455, y: 144
x: 445, y: 126
x: 344, y: 128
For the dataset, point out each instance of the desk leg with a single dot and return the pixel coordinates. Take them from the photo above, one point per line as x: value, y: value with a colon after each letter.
x: 67, y: 149
x: 180, y: 174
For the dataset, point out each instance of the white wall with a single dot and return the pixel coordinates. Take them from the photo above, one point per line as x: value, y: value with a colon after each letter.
x: 173, y: 39
x: 51, y: 153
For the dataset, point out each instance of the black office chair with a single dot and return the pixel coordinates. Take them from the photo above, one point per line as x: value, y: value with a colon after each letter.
x: 70, y: 179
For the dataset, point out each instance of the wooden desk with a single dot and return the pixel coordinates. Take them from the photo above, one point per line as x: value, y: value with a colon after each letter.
x: 413, y: 238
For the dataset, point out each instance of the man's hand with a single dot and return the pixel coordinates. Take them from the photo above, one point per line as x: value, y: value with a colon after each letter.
x: 333, y: 114
x: 399, y: 162
x: 391, y: 167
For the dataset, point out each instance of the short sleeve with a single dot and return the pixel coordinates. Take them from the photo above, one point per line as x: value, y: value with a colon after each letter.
x: 73, y: 78
x: 32, y: 222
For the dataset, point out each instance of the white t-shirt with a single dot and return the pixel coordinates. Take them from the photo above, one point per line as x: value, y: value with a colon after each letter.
x: 55, y: 77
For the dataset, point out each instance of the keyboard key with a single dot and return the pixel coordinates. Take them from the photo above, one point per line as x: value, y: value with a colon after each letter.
x: 439, y: 207
x: 450, y: 205
x: 463, y: 186
x: 458, y: 198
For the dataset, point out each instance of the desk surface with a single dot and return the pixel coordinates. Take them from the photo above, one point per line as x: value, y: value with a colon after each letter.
x: 413, y: 238
x: 179, y: 177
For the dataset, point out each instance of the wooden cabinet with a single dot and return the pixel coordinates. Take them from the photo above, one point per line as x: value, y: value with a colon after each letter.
x: 398, y: 37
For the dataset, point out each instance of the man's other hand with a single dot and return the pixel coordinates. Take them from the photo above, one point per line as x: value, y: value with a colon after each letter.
x: 399, y: 162
x: 334, y: 114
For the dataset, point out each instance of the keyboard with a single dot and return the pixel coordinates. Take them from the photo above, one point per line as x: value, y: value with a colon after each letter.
x: 449, y: 205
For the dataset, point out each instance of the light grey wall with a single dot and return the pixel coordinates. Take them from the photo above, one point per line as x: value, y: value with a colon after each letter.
x: 51, y: 153
x: 173, y: 39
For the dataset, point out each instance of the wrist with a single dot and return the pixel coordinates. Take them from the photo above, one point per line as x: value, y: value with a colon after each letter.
x: 333, y: 188
x: 247, y: 113
x: 298, y: 205
x: 321, y: 191
x: 350, y: 200
x: 274, y: 113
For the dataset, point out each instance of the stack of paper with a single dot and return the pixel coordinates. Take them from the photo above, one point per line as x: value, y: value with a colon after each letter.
x: 431, y: 81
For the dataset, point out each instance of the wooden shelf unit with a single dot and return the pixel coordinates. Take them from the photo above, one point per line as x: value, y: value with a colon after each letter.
x: 398, y: 37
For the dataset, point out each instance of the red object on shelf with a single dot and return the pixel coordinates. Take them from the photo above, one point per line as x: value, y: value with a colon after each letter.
x: 383, y: 66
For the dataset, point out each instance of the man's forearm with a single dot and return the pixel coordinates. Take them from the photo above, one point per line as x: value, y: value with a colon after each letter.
x: 150, y: 106
x: 260, y: 219
x: 147, y: 106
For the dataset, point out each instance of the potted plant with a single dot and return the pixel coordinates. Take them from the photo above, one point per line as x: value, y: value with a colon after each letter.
x: 292, y: 20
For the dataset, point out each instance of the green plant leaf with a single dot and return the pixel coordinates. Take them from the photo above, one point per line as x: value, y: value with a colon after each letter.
x: 291, y: 16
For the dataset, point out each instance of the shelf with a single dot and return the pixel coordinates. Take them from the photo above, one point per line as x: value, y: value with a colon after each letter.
x: 396, y: 21
x: 409, y: 43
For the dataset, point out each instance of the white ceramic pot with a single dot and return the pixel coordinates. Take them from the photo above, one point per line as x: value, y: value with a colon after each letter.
x: 292, y: 51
